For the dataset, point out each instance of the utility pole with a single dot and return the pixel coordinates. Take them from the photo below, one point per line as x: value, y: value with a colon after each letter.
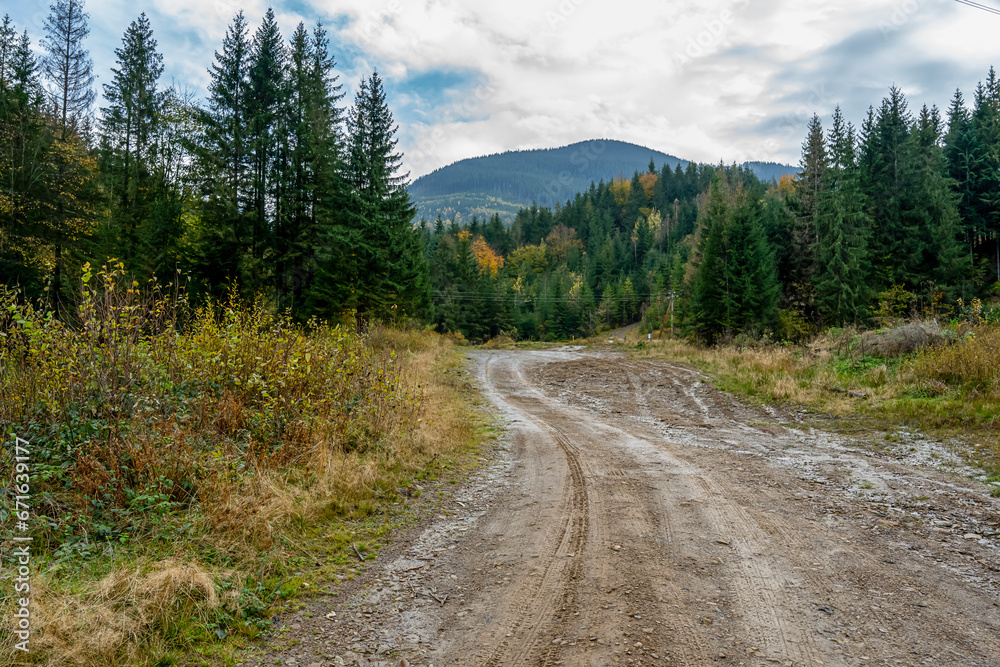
x: 670, y: 311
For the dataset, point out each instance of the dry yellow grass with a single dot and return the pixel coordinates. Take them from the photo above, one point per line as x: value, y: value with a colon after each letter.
x: 784, y: 374
x: 142, y: 609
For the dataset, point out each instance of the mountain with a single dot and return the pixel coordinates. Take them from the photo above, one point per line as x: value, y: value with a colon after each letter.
x: 504, y: 182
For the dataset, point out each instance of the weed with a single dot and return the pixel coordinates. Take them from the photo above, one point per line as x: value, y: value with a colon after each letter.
x: 186, y: 457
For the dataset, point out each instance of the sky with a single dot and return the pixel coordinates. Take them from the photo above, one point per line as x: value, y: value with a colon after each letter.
x: 710, y: 81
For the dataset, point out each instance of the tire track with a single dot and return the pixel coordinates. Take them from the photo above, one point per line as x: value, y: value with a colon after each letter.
x: 527, y: 639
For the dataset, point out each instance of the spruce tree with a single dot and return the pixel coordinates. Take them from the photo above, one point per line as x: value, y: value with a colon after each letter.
x: 48, y: 195
x: 391, y: 271
x: 24, y: 145
x: 710, y: 307
x: 842, y: 233
x: 266, y: 103
x: 809, y: 189
x: 309, y: 232
x: 930, y: 214
x: 68, y: 69
x: 67, y: 65
x: 734, y: 286
x: 8, y: 43
x: 128, y: 129
x: 986, y: 122
x: 965, y: 163
x: 884, y: 160
x: 223, y: 154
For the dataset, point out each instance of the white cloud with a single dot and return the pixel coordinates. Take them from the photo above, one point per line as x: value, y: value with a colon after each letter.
x: 705, y: 80
x: 691, y: 78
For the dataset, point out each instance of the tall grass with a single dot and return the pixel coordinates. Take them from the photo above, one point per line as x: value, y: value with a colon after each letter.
x: 951, y: 390
x: 178, y: 451
x: 973, y: 364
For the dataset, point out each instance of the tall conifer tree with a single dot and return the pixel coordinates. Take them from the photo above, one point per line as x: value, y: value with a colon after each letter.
x: 223, y: 154
x: 392, y: 273
x: 267, y: 100
x: 842, y: 233
x: 128, y: 131
x: 67, y: 65
x: 812, y: 182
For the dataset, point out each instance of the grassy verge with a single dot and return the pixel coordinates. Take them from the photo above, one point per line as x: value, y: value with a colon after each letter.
x: 186, y: 479
x: 951, y: 392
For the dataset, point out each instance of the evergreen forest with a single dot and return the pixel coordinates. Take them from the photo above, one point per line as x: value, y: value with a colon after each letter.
x: 896, y: 217
x: 272, y: 187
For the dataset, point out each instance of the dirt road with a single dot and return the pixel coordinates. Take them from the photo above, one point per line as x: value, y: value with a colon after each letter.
x: 641, y: 517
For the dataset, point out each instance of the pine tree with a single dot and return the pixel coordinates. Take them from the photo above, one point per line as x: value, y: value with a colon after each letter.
x: 312, y: 228
x: 266, y: 107
x: 128, y: 130
x: 809, y: 189
x: 390, y: 260
x: 67, y: 65
x: 223, y: 154
x: 842, y: 233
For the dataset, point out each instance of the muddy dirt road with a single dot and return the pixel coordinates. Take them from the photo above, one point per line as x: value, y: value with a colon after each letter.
x: 640, y: 517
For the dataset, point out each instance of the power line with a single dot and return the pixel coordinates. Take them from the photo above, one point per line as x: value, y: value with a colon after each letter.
x: 976, y: 5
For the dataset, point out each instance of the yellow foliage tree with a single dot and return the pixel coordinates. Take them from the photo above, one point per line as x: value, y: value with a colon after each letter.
x: 489, y: 261
x: 786, y: 184
x: 530, y: 258
x: 620, y: 190
x: 559, y: 241
x: 656, y: 226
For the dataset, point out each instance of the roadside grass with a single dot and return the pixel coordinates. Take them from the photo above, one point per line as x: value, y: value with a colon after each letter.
x: 193, y: 470
x: 951, y: 392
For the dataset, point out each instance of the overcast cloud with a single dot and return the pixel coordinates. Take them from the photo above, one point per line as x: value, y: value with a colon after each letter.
x: 729, y: 80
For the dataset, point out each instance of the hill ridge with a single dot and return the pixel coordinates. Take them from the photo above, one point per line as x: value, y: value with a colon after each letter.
x: 504, y: 182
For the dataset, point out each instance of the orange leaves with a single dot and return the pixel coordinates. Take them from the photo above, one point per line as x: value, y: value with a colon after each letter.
x: 488, y: 260
x: 648, y: 181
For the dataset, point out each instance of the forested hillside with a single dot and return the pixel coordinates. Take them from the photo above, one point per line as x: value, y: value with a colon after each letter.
x: 896, y: 217
x: 504, y: 182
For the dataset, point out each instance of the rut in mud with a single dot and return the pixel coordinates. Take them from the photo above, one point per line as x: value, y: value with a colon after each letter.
x: 641, y: 517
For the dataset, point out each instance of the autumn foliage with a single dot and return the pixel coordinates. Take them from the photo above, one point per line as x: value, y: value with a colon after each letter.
x: 488, y: 260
